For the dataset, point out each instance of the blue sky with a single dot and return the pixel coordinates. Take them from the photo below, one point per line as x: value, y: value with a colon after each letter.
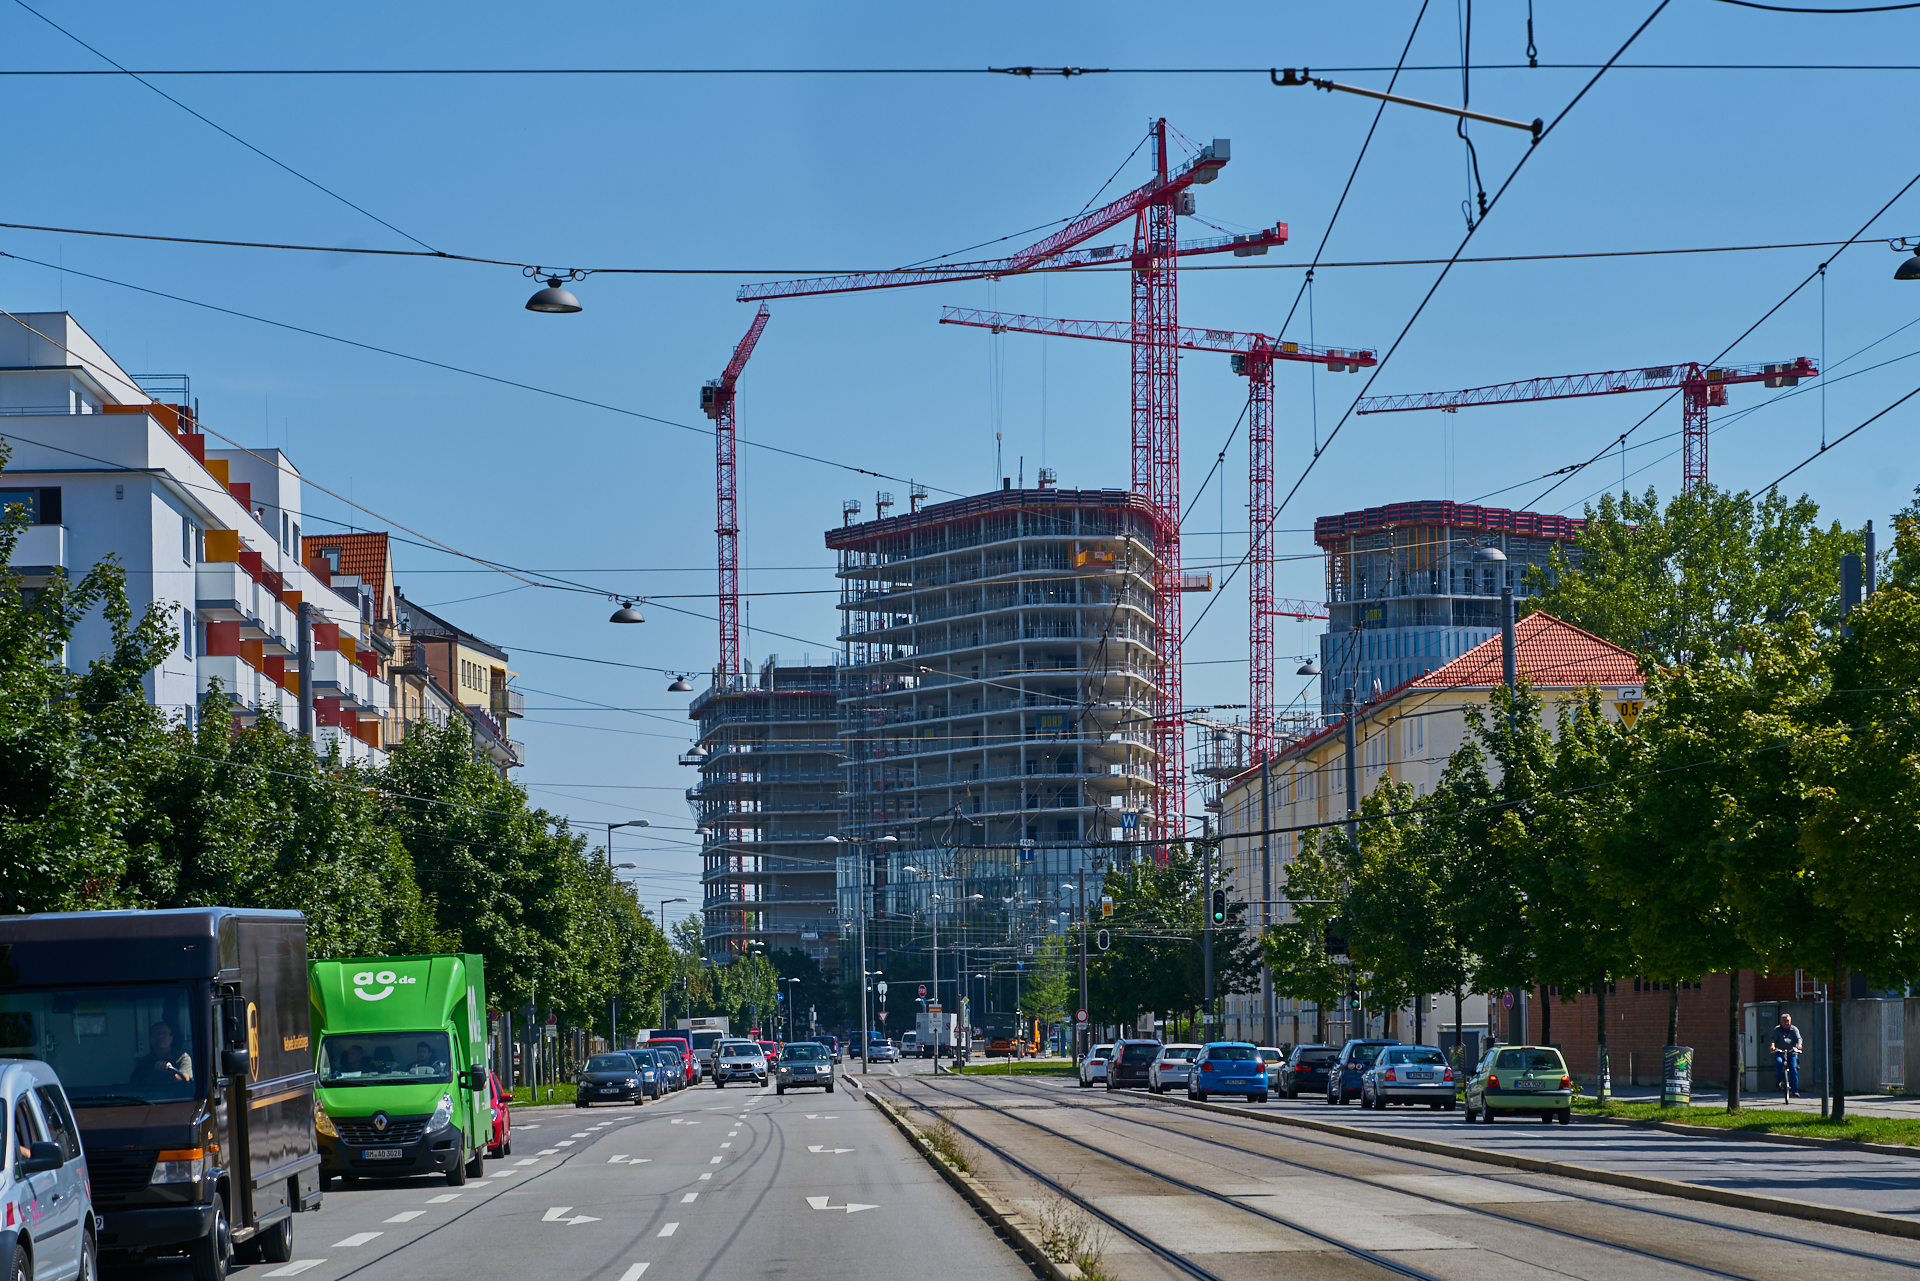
x: 790, y: 174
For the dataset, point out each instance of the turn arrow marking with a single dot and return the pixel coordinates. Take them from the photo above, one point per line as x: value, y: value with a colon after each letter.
x: 815, y: 1147
x: 559, y: 1213
x: 852, y: 1207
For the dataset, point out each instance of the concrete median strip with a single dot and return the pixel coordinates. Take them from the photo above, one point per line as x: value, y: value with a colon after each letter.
x: 1812, y: 1211
x: 995, y: 1211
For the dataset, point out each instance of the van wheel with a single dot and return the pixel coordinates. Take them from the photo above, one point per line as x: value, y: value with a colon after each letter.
x: 477, y: 1167
x: 457, y: 1176
x: 210, y: 1255
x: 22, y: 1267
x: 275, y: 1245
x: 89, y: 1259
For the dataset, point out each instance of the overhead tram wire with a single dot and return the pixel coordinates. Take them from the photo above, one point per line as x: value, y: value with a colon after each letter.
x: 1818, y: 272
x: 277, y: 163
x: 1433, y: 289
x: 457, y: 369
x: 1450, y: 68
x: 1836, y: 441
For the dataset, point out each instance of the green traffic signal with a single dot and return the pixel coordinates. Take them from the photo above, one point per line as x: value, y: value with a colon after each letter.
x: 1219, y: 907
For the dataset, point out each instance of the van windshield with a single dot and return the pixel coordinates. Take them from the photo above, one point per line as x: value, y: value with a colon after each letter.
x: 385, y: 1058
x: 113, y: 1047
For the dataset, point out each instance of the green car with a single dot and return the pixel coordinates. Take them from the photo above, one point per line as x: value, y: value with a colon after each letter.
x: 1521, y: 1080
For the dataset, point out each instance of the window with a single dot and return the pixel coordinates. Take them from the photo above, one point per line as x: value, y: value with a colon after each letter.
x: 186, y: 541
x: 296, y: 536
x: 186, y: 633
x: 333, y: 559
x: 286, y: 528
x: 26, y: 1127
x: 53, y: 1107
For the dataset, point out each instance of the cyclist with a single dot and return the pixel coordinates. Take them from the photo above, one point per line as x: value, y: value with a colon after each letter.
x: 1786, y: 1057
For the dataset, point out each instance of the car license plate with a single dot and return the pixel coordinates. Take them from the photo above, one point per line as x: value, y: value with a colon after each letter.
x: 1526, y: 1085
x: 382, y: 1154
x: 1419, y: 1076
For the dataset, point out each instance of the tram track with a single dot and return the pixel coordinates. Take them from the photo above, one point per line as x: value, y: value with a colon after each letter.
x: 1131, y: 1112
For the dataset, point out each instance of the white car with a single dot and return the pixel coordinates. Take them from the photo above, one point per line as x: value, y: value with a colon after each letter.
x: 51, y: 1233
x: 739, y: 1061
x: 1171, y: 1068
x: 1276, y: 1065
x: 882, y: 1051
x: 1094, y: 1066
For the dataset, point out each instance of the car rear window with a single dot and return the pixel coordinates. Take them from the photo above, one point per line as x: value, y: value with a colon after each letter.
x: 1419, y: 1056
x: 1529, y: 1061
x: 1317, y: 1058
x: 1181, y: 1051
x: 609, y: 1063
x: 1233, y: 1053
x: 1139, y: 1053
x: 1101, y: 1051
x: 1364, y: 1053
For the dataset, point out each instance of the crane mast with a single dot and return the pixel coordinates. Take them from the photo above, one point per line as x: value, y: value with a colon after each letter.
x: 717, y: 402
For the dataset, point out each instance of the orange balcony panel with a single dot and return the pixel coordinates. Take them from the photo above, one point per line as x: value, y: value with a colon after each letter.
x: 223, y: 545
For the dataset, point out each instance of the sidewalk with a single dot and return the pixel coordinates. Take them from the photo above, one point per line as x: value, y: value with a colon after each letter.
x: 1901, y: 1106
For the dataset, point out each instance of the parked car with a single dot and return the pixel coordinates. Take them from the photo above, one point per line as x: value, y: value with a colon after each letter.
x: 1408, y: 1074
x: 739, y: 1061
x: 671, y: 1067
x: 833, y: 1046
x: 1172, y: 1066
x: 1305, y: 1071
x: 1343, y: 1075
x: 804, y: 1063
x: 1094, y: 1066
x: 56, y: 1236
x: 689, y: 1065
x: 1521, y: 1080
x: 882, y: 1050
x: 1128, y: 1065
x: 500, y: 1139
x: 1275, y: 1059
x: 648, y: 1063
x: 608, y: 1078
x: 1227, y: 1067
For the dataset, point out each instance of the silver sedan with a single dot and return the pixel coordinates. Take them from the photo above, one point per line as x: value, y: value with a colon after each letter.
x: 1408, y: 1074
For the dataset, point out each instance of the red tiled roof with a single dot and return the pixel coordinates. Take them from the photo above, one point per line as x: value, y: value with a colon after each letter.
x: 1547, y: 652
x: 365, y: 556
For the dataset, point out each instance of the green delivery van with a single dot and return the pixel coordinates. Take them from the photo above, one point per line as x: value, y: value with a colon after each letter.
x: 400, y: 1050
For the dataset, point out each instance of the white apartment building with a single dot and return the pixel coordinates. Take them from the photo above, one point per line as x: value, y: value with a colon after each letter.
x: 112, y: 464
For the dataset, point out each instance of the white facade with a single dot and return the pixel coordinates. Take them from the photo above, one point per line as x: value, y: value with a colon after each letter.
x: 108, y: 470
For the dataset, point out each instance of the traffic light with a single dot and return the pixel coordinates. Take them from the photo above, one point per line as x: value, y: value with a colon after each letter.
x: 1336, y: 943
x: 1219, y: 907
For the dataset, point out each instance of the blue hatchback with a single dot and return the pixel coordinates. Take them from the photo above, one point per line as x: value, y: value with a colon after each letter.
x: 1228, y: 1067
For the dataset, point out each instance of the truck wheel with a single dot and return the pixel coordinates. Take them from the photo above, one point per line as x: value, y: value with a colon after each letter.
x: 210, y: 1255
x: 22, y: 1267
x: 275, y: 1245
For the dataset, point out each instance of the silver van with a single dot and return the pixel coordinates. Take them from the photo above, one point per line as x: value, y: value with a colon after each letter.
x: 48, y: 1231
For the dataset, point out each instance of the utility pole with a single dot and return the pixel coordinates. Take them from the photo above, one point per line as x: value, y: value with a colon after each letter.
x: 1206, y: 906
x: 1509, y: 673
x: 306, y: 671
x: 1268, y: 1028
x: 1353, y: 835
x: 1081, y: 1029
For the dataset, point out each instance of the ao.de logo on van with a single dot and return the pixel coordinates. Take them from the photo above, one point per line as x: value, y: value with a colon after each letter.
x: 385, y: 980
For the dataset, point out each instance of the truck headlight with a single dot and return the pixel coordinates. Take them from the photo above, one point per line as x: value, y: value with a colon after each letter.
x: 179, y: 1165
x: 324, y: 1123
x: 443, y: 1113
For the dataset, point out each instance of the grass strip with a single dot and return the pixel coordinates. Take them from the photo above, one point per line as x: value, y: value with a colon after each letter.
x: 1811, y: 1125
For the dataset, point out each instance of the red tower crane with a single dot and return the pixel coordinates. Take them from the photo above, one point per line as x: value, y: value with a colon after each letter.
x: 1156, y: 384
x: 716, y: 401
x: 1701, y: 387
x: 1253, y: 357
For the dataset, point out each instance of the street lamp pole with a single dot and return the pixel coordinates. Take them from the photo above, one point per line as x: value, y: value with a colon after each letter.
x: 1517, y: 1026
x: 613, y: 1000
x: 862, y: 868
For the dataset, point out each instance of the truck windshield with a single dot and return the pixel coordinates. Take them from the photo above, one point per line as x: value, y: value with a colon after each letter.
x: 113, y: 1047
x: 705, y: 1040
x: 385, y: 1058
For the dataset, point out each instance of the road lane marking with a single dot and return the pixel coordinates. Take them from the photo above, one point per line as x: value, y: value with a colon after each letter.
x: 443, y: 1198
x: 726, y: 1145
x: 851, y: 1207
x: 815, y: 1147
x: 532, y: 1160
x: 681, y: 1120
x: 500, y: 1174
x: 584, y: 1135
x: 406, y: 1216
x: 564, y: 1143
x: 688, y: 1199
x: 623, y: 1159
x: 298, y: 1266
x: 715, y: 1161
x: 669, y: 1230
x: 358, y: 1238
x: 559, y: 1213
x: 707, y: 1175
x: 545, y: 1152
x: 634, y: 1273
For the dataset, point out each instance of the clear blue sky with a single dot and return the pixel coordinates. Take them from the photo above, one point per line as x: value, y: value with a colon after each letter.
x: 801, y: 173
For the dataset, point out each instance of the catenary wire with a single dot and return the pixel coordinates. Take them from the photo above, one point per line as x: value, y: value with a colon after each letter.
x: 1450, y: 68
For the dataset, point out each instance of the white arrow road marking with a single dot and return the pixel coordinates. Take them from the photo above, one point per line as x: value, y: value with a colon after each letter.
x: 815, y: 1147
x: 406, y: 1216
x: 852, y: 1207
x: 669, y: 1229
x: 298, y: 1266
x: 358, y: 1238
x: 634, y: 1273
x: 559, y: 1213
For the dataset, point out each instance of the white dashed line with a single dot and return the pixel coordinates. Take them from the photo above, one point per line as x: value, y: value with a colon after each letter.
x: 443, y: 1198
x: 298, y: 1266
x: 564, y: 1143
x: 669, y: 1230
x: 706, y: 1176
x: 688, y: 1199
x: 358, y: 1238
x: 406, y: 1216
x: 545, y: 1152
x: 532, y: 1160
x: 634, y: 1273
x: 726, y: 1145
x: 715, y: 1161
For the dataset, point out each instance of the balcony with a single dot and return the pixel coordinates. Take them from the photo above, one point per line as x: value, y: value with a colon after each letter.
x: 223, y: 592
x: 239, y: 683
x: 509, y: 703
x: 42, y: 549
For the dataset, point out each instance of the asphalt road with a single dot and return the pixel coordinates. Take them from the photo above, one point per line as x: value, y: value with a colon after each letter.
x: 740, y: 1185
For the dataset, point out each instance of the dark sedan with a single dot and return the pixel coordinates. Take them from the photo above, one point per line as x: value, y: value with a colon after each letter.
x: 1305, y: 1071
x: 1127, y: 1068
x: 651, y: 1075
x: 609, y: 1078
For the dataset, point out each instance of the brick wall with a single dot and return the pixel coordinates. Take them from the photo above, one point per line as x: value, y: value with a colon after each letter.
x: 1637, y: 1025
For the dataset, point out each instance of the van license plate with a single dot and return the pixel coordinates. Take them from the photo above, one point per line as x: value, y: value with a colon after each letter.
x: 382, y: 1154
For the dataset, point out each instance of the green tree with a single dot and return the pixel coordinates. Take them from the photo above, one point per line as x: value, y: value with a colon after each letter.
x: 1155, y: 962
x: 1053, y: 981
x: 1678, y: 584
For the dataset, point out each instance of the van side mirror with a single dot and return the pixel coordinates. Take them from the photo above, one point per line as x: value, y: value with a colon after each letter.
x: 234, y: 1062
x: 474, y: 1079
x: 233, y: 1022
x: 43, y: 1156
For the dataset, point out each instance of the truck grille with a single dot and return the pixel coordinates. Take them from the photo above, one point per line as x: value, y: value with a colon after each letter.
x: 117, y: 1175
x: 359, y: 1131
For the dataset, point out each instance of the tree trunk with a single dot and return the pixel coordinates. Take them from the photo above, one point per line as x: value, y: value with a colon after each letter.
x: 1733, y: 1039
x: 1673, y: 1012
x: 1838, y: 1073
x: 1546, y: 1017
x: 1601, y: 1067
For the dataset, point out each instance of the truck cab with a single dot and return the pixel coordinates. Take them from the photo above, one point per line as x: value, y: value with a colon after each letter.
x: 400, y: 1054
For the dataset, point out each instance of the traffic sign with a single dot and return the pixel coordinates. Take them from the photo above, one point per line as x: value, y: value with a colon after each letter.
x: 1079, y: 1016
x: 882, y: 986
x: 923, y: 989
x: 1129, y: 820
x: 1103, y: 940
x: 1506, y: 1000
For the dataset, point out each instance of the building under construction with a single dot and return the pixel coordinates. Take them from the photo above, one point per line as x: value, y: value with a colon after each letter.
x: 1405, y: 595
x: 768, y: 799
x: 999, y: 658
